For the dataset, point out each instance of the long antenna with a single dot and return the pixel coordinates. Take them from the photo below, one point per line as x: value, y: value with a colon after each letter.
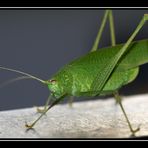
x: 14, y: 80
x: 23, y: 73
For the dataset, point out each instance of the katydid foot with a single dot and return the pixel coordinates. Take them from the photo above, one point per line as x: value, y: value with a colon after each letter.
x: 134, y: 131
x: 118, y: 99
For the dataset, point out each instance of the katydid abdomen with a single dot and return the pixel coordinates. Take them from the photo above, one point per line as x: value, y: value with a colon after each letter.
x: 76, y: 78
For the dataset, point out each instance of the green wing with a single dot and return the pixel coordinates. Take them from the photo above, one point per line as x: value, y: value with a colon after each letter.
x: 137, y: 54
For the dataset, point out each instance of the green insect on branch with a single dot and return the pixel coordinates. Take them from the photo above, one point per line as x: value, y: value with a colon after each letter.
x: 99, y: 72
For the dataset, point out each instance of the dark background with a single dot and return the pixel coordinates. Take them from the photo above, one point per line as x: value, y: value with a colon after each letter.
x: 41, y: 41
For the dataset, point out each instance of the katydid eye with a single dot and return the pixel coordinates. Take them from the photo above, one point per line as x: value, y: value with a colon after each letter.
x: 52, y: 81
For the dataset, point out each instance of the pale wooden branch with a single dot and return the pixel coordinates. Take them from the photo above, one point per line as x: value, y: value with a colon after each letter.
x: 89, y: 119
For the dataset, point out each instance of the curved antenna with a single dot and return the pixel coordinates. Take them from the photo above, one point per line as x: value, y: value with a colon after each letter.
x: 14, y: 80
x: 23, y: 73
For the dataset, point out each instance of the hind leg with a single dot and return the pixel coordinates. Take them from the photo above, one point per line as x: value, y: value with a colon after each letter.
x: 118, y: 100
x: 108, y: 14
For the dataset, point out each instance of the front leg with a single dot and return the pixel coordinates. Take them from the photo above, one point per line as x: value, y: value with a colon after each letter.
x: 49, y: 100
x: 30, y: 126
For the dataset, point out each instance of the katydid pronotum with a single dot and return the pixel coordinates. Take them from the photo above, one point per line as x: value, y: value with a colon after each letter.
x: 100, y: 72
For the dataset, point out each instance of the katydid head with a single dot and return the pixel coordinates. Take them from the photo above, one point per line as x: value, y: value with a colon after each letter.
x: 61, y: 83
x: 55, y: 88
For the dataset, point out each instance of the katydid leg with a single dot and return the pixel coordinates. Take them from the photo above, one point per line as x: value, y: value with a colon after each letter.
x: 108, y: 14
x: 118, y: 100
x: 112, y: 28
x: 70, y: 102
x: 29, y: 126
x: 49, y: 100
x: 97, y: 40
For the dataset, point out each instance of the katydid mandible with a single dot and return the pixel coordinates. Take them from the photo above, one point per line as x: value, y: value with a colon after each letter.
x: 100, y: 72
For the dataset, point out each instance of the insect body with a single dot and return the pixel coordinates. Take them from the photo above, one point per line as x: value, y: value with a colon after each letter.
x: 99, y: 72
x: 75, y: 78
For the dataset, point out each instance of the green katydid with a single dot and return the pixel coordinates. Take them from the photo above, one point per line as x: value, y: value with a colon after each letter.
x: 100, y: 72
